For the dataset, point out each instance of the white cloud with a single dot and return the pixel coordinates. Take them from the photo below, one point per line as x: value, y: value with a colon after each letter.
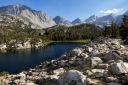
x: 114, y: 10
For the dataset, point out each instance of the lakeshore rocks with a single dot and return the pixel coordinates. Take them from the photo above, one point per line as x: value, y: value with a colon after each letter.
x: 113, y: 83
x: 102, y: 62
x: 3, y: 46
x: 76, y: 51
x: 17, y: 45
x: 72, y: 77
x: 111, y: 79
x: 95, y: 61
x: 98, y: 73
x: 30, y: 84
x: 58, y: 71
x: 112, y: 55
x: 119, y: 67
x: 94, y: 82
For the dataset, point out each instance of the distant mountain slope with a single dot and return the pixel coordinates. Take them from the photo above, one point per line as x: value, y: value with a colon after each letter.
x: 91, y: 19
x: 77, y: 21
x: 39, y: 19
x: 106, y: 20
x: 61, y: 21
x: 102, y: 21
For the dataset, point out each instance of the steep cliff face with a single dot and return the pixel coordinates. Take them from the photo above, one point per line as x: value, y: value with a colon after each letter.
x: 37, y: 18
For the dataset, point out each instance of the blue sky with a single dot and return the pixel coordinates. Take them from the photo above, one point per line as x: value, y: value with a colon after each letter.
x: 71, y: 9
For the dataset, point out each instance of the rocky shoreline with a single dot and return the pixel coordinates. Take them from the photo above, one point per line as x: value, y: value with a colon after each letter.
x: 102, y: 62
x: 13, y: 45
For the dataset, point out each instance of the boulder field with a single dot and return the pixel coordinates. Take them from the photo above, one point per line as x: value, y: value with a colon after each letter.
x: 102, y: 62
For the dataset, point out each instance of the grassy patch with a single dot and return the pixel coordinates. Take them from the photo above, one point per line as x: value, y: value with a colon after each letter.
x: 74, y: 41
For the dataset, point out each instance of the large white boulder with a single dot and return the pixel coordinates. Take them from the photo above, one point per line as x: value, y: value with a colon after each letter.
x: 95, y: 61
x: 119, y: 68
x: 76, y: 51
x: 72, y: 77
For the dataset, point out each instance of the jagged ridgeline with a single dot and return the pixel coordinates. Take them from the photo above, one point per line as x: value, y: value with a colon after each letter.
x: 77, y: 32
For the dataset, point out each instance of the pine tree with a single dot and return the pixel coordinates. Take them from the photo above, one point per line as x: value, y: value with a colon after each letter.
x: 124, y: 28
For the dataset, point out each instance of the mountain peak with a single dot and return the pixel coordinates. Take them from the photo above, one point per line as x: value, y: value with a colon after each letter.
x: 18, y: 5
x: 91, y: 19
x: 59, y: 19
x: 113, y: 14
x: 77, y: 21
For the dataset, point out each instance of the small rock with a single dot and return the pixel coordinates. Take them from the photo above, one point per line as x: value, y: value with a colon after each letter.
x: 98, y: 72
x: 88, y: 49
x: 94, y: 82
x: 30, y: 84
x: 58, y: 71
x: 111, y: 79
x: 84, y: 55
x: 102, y: 66
x: 113, y: 83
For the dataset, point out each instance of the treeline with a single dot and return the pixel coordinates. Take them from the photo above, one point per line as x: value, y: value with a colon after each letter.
x: 78, y: 32
x: 115, y: 30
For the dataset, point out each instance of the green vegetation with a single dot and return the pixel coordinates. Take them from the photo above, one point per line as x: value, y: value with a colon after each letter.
x: 116, y: 31
x: 124, y: 28
x: 112, y: 31
x: 79, y: 32
x: 76, y: 41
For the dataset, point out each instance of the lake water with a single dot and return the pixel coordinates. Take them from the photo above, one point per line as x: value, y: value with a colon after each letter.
x: 15, y: 62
